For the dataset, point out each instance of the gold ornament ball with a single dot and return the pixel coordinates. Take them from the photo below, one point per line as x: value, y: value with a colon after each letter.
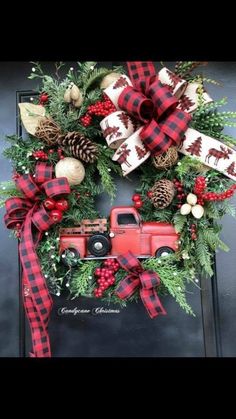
x: 185, y: 209
x: 197, y: 211
x: 191, y: 199
x: 72, y: 169
x: 109, y: 79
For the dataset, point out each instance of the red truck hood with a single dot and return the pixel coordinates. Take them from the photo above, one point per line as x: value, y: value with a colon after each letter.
x: 158, y: 228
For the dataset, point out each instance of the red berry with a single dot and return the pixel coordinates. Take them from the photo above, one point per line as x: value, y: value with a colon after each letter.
x: 62, y: 205
x: 49, y: 203
x: 136, y: 197
x: 97, y: 271
x: 56, y: 215
x: 149, y: 194
x: 193, y: 236
x: 179, y: 205
x: 138, y: 204
x: 43, y: 98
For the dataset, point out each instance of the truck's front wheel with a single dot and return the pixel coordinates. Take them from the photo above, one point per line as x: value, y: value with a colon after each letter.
x: 99, y: 245
x: 164, y: 251
x: 70, y: 257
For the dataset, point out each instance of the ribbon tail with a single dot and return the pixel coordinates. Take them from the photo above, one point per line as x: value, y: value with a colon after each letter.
x: 152, y: 302
x: 39, y: 330
x: 38, y: 302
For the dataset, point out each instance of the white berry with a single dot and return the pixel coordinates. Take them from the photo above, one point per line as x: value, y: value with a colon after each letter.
x: 63, y: 256
x: 31, y: 99
x: 196, y: 280
x: 72, y: 68
x: 33, y: 69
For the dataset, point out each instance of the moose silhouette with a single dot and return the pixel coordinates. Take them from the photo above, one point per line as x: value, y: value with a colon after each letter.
x: 223, y: 154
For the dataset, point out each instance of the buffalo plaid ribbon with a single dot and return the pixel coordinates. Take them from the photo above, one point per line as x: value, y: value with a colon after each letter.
x: 152, y: 103
x: 147, y: 281
x: 34, y: 220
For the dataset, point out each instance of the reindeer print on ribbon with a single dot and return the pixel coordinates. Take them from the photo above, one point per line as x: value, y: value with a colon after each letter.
x: 209, y: 151
x: 111, y: 132
x: 223, y: 153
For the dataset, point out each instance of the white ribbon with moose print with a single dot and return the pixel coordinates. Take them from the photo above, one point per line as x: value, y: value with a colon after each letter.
x: 210, y: 152
x: 121, y: 130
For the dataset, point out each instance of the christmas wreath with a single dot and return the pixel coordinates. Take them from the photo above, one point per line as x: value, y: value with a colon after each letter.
x: 85, y: 128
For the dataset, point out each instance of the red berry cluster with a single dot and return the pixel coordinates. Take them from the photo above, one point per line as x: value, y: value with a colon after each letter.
x: 40, y: 154
x: 199, y: 188
x: 193, y: 232
x: 43, y: 98
x: 56, y: 208
x: 60, y: 154
x: 213, y: 196
x: 99, y: 108
x: 180, y: 192
x: 105, y: 276
x: 86, y: 120
x: 137, y: 199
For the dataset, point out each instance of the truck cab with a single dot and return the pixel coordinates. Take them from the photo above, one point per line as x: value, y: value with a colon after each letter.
x: 92, y: 239
x: 145, y: 239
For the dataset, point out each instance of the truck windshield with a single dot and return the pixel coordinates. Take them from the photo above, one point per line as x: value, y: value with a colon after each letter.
x: 124, y: 219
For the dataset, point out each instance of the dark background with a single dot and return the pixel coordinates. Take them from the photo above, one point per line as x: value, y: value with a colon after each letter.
x: 131, y: 332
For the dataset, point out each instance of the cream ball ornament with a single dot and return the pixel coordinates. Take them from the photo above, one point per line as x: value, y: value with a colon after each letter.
x: 185, y: 209
x: 70, y: 168
x: 75, y: 92
x: 191, y: 199
x: 109, y: 79
x: 197, y: 211
x: 67, y: 97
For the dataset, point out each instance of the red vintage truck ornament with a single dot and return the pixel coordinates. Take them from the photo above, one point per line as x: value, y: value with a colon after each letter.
x: 92, y: 239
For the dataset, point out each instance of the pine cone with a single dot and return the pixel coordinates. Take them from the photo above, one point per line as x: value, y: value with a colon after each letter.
x: 162, y: 193
x: 79, y: 146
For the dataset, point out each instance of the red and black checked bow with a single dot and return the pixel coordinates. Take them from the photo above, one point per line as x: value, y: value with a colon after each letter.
x: 147, y: 281
x: 153, y: 104
x: 34, y: 220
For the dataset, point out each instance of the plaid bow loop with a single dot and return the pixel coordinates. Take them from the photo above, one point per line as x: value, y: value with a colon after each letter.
x: 34, y: 220
x: 152, y: 103
x: 147, y: 281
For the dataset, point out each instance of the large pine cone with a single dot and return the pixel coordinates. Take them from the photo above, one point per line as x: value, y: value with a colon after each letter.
x: 79, y: 146
x: 162, y: 193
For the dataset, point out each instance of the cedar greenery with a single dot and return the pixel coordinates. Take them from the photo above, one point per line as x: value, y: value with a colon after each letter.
x: 194, y: 257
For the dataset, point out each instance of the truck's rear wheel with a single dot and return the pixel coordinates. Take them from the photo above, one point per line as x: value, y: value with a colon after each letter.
x: 99, y: 245
x: 70, y: 257
x: 164, y: 251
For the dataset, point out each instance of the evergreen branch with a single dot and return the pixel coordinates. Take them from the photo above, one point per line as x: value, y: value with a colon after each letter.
x: 82, y: 282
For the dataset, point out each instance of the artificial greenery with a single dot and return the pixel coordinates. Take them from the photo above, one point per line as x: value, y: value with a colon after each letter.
x: 193, y: 257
